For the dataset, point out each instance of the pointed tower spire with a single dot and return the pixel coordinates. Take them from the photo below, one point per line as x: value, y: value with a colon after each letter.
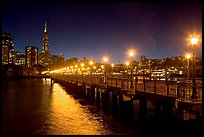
x: 45, y: 27
x: 45, y: 42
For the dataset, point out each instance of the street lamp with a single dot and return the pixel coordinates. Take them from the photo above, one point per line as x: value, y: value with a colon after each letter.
x: 76, y: 69
x: 188, y: 56
x: 91, y: 63
x: 131, y: 54
x: 71, y: 70
x: 94, y: 67
x: 150, y: 70
x: 112, y: 65
x: 194, y: 42
x: 105, y: 59
x: 127, y: 64
x: 82, y: 65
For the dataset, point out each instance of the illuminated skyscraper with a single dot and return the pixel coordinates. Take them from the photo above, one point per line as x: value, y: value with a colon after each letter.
x: 44, y: 56
x: 7, y: 48
x: 31, y: 54
x: 5, y: 54
x: 45, y: 42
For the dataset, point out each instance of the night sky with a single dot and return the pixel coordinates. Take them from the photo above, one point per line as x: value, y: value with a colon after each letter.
x: 156, y: 30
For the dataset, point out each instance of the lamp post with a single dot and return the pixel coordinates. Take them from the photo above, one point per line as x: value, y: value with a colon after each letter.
x: 82, y: 69
x: 71, y: 70
x: 127, y: 64
x: 149, y: 69
x: 76, y: 69
x: 105, y: 59
x: 102, y: 68
x: 188, y: 56
x: 112, y: 65
x: 131, y: 54
x: 194, y: 42
x: 91, y: 63
x: 94, y: 67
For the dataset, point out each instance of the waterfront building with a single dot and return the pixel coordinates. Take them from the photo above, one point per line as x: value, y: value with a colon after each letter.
x: 71, y: 61
x: 58, y: 61
x: 5, y: 54
x: 20, y: 60
x: 31, y: 54
x: 7, y: 48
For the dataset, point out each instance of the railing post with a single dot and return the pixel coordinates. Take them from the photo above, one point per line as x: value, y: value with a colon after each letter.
x: 144, y: 83
x: 122, y: 84
x: 136, y: 80
x: 155, y: 88
x: 98, y: 98
x: 178, y: 90
x: 167, y: 87
x: 127, y: 83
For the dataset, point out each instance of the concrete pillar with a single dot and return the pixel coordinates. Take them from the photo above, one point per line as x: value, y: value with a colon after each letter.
x: 114, y: 103
x: 92, y: 94
x: 142, y: 110
x: 105, y: 101
x: 167, y: 111
x: 180, y: 114
x: 83, y: 90
x: 128, y: 109
x: 88, y: 90
x: 157, y: 110
x: 120, y: 102
x: 98, y: 98
x: 75, y: 87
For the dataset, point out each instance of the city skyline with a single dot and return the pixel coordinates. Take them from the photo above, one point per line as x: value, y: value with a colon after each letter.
x: 156, y: 30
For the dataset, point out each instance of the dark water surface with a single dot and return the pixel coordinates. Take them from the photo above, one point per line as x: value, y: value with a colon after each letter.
x: 34, y: 106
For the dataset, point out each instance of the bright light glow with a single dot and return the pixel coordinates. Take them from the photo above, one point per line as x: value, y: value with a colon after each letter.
x: 112, y: 65
x: 105, y: 59
x: 131, y: 52
x: 82, y: 64
x: 91, y: 62
x: 102, y: 66
x: 188, y: 55
x: 127, y: 63
x: 194, y: 40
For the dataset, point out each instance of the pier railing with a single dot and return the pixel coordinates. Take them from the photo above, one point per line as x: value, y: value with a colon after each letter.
x: 182, y: 90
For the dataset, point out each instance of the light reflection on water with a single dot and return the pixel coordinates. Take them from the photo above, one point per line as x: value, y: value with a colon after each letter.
x: 36, y: 107
x: 68, y: 116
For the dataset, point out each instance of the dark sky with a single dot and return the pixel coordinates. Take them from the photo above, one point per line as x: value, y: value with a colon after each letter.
x: 156, y: 30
